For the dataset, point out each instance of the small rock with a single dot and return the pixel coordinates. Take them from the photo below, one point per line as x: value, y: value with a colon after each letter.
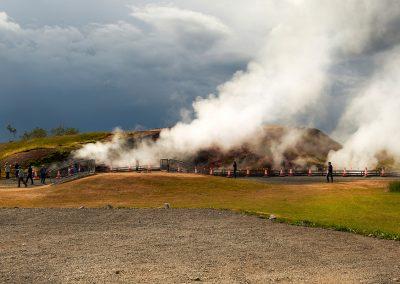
x: 197, y: 279
x: 167, y: 206
x: 272, y: 217
x: 109, y: 206
x: 82, y: 207
x: 117, y: 272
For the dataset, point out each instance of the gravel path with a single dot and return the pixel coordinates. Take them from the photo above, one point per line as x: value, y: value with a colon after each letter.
x: 182, y: 245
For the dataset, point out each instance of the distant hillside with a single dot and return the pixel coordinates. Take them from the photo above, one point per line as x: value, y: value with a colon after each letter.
x: 58, y: 148
x: 48, y: 149
x: 310, y: 148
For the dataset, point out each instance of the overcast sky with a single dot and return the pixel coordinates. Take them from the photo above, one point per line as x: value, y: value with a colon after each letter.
x: 98, y: 64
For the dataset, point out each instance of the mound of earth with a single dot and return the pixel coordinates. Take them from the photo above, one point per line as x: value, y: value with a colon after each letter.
x: 36, y: 156
x: 59, y: 148
x: 273, y: 146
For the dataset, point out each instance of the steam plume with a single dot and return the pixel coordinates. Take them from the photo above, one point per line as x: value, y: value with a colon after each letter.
x: 288, y: 83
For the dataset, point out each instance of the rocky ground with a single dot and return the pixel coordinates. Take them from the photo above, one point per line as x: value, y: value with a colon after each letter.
x: 182, y: 245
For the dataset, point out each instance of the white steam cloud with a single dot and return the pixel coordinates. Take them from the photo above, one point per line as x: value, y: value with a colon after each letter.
x: 289, y: 81
x: 374, y: 114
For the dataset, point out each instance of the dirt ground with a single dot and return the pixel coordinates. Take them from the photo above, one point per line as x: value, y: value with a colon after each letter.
x: 182, y: 246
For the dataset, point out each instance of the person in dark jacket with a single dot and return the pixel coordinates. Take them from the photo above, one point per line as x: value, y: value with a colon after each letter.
x: 43, y: 173
x: 234, y: 169
x: 16, y: 167
x: 330, y: 172
x: 30, y: 175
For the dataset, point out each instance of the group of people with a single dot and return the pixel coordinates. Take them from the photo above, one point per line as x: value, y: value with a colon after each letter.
x: 24, y: 176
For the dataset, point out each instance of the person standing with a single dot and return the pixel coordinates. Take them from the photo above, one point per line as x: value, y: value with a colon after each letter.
x: 30, y: 175
x: 7, y: 169
x: 330, y: 172
x: 234, y: 169
x: 21, y: 177
x: 43, y: 173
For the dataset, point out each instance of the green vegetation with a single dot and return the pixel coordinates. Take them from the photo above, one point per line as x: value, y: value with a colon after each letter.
x: 12, y: 130
x: 62, y: 144
x: 34, y: 133
x: 394, y: 186
x: 61, y: 131
x: 364, y: 207
x: 38, y: 132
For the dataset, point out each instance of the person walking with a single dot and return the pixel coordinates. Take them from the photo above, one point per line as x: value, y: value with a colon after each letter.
x: 7, y: 169
x: 330, y: 172
x: 21, y: 177
x: 234, y: 169
x: 30, y: 175
x: 16, y: 170
x: 43, y: 173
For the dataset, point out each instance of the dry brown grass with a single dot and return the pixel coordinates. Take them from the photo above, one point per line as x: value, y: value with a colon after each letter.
x: 364, y: 206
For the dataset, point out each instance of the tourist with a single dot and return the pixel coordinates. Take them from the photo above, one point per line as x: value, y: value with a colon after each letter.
x: 330, y: 172
x: 234, y: 169
x: 21, y: 176
x: 16, y: 169
x: 7, y: 170
x: 30, y: 175
x: 43, y: 173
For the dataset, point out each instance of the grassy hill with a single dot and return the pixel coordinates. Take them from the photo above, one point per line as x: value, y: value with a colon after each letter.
x: 47, y: 149
x: 58, y: 148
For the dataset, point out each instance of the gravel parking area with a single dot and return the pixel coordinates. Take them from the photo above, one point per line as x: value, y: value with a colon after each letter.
x: 182, y: 245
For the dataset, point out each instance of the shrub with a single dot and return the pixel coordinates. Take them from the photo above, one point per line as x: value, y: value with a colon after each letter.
x: 394, y: 186
x: 35, y: 133
x: 61, y: 131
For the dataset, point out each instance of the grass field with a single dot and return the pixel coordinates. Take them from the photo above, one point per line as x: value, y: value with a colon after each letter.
x: 363, y: 206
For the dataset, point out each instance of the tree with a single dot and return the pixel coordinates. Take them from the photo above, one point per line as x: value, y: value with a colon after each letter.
x: 61, y: 130
x: 35, y: 133
x: 11, y: 129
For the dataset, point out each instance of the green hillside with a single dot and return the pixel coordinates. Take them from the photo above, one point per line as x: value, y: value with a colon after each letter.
x: 54, y: 146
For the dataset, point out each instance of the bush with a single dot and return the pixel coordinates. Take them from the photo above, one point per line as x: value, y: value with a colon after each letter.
x: 61, y: 131
x: 35, y: 133
x: 394, y: 186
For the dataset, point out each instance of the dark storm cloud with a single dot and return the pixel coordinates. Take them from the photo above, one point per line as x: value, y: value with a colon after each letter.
x: 111, y: 68
x: 97, y: 64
